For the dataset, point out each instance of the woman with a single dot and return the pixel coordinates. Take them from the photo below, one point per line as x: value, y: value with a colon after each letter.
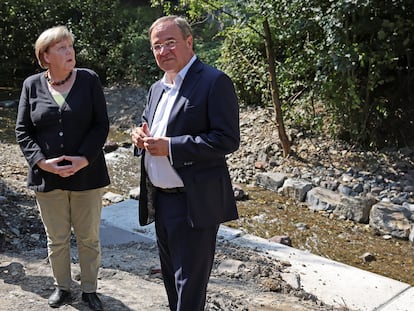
x: 62, y: 124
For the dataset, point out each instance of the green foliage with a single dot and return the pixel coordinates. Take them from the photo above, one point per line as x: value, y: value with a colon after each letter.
x: 133, y: 56
x: 109, y: 38
x: 16, y: 36
x: 365, y: 71
x: 354, y: 56
x: 243, y: 58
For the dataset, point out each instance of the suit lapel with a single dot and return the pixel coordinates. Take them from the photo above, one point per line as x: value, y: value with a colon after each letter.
x: 154, y: 100
x: 187, y: 88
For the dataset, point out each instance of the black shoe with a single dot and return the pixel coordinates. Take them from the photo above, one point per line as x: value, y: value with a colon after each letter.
x: 58, y: 297
x: 93, y: 301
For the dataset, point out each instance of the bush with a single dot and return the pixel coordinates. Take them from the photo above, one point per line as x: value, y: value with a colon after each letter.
x: 110, y: 38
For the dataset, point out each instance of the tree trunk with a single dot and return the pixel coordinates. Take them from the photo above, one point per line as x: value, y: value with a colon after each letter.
x: 277, y: 105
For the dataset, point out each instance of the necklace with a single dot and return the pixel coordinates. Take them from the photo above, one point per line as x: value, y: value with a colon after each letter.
x: 51, y: 82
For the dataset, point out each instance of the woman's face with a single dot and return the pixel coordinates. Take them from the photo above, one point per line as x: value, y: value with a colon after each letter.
x: 61, y: 56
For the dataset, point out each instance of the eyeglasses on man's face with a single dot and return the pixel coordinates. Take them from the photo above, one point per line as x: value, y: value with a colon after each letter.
x: 169, y: 45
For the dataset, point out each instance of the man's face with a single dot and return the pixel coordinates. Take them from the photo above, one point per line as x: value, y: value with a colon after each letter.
x: 173, y: 51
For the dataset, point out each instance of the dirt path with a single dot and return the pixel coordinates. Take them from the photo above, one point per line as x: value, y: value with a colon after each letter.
x: 252, y: 282
x: 127, y: 282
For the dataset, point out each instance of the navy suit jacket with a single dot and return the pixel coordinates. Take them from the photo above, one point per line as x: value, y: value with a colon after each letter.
x: 203, y: 128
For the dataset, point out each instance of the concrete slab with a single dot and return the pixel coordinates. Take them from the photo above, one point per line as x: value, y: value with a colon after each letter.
x: 111, y: 235
x: 228, y: 234
x: 403, y: 302
x: 124, y: 215
x: 332, y: 282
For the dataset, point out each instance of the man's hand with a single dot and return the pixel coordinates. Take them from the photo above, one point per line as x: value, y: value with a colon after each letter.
x: 138, y: 134
x: 157, y: 146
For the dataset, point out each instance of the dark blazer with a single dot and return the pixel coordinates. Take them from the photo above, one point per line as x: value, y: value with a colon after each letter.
x: 204, y: 128
x: 78, y: 128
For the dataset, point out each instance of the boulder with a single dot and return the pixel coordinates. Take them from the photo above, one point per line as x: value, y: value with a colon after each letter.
x: 355, y: 208
x: 295, y: 189
x: 344, y: 206
x: 322, y: 199
x: 270, y: 181
x: 389, y: 218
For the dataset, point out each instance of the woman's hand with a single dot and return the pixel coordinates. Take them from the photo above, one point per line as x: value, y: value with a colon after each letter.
x: 64, y: 166
x: 78, y: 163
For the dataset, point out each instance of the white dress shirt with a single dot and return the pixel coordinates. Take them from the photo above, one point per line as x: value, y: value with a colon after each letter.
x: 159, y: 168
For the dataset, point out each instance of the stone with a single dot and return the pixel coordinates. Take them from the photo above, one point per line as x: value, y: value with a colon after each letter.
x: 295, y: 189
x: 260, y: 165
x: 239, y: 193
x: 301, y: 226
x: 134, y: 193
x: 367, y: 257
x: 113, y: 197
x: 358, y: 188
x: 331, y: 185
x: 355, y: 208
x: 270, y: 181
x: 321, y: 199
x: 409, y: 206
x: 393, y: 219
x: 281, y: 239
x: 346, y: 178
x: 110, y: 146
x: 230, y: 266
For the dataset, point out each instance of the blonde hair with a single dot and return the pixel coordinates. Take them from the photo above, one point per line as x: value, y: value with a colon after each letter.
x: 48, y: 38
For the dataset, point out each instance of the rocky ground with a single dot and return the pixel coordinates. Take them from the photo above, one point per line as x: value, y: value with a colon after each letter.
x: 386, y: 175
x: 126, y: 281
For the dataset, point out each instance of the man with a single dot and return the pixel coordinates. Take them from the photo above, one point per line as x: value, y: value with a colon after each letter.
x: 190, y: 123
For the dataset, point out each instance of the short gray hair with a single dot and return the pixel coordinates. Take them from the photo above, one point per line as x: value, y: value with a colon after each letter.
x: 181, y: 22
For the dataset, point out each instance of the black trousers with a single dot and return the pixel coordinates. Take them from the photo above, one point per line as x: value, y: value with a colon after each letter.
x: 186, y: 253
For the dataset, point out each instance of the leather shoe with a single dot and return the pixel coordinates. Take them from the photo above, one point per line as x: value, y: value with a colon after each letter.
x: 58, y: 297
x: 93, y: 301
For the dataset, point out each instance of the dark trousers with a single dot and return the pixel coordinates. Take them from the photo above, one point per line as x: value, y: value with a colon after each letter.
x: 186, y: 254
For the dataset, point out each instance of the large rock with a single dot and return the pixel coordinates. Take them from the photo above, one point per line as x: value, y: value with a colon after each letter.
x: 295, y: 189
x: 355, y: 208
x: 393, y: 219
x: 125, y: 106
x: 270, y: 181
x: 321, y: 199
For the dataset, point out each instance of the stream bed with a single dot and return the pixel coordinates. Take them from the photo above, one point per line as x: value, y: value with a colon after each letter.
x: 267, y: 214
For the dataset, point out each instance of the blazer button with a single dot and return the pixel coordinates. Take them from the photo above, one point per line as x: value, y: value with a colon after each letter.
x: 60, y: 134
